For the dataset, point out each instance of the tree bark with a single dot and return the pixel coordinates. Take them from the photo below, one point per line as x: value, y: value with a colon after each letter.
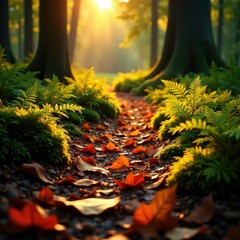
x: 28, y: 28
x: 188, y: 46
x: 237, y: 55
x: 73, y: 30
x: 52, y: 53
x: 4, y: 31
x: 154, y: 33
x: 220, y: 26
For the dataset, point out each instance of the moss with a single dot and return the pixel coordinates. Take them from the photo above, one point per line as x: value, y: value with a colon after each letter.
x: 106, y: 109
x: 90, y: 115
x: 170, y: 151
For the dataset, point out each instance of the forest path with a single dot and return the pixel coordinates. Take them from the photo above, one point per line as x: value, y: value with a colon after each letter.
x: 92, y: 176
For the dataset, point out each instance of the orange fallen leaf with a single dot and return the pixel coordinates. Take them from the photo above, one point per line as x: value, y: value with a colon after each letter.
x: 131, y: 181
x: 134, y: 133
x: 203, y: 213
x: 86, y: 127
x: 110, y: 147
x: 34, y: 170
x: 101, y: 127
x: 148, y: 219
x: 30, y: 216
x: 89, y: 148
x: 153, y: 160
x: 122, y: 163
x: 139, y: 149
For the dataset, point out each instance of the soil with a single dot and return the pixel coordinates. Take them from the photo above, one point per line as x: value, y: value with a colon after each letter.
x: 134, y: 123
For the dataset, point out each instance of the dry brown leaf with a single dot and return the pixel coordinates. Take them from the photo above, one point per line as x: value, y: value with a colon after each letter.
x: 117, y: 237
x: 203, y: 213
x: 34, y: 170
x: 93, y: 206
x: 182, y: 233
x: 85, y: 166
x: 85, y: 182
x: 160, y: 180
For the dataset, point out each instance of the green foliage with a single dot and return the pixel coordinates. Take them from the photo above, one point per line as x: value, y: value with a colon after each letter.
x: 90, y: 115
x: 170, y: 151
x: 93, y: 93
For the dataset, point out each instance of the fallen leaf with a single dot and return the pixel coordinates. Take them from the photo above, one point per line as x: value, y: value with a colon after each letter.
x: 131, y: 181
x: 129, y: 142
x: 93, y: 206
x: 101, y: 127
x: 67, y: 179
x: 183, y: 233
x: 86, y: 127
x: 134, y: 133
x: 34, y: 170
x: 160, y: 180
x: 85, y: 182
x: 110, y: 147
x: 46, y: 194
x: 125, y: 223
x: 121, y: 164
x: 148, y: 219
x: 139, y: 149
x: 117, y: 237
x: 89, y: 148
x: 85, y: 166
x: 138, y: 164
x: 153, y: 160
x: 30, y: 216
x: 151, y: 150
x: 90, y: 160
x: 203, y: 213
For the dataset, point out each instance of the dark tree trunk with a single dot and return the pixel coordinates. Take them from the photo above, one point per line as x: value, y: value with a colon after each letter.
x: 52, y: 53
x: 28, y: 28
x: 73, y: 30
x: 154, y: 33
x: 237, y: 55
x: 20, y: 42
x: 189, y: 44
x: 220, y: 26
x: 4, y: 31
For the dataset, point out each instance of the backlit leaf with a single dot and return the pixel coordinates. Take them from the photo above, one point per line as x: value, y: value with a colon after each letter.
x: 89, y: 148
x: 85, y: 166
x: 34, y: 170
x: 139, y: 149
x: 30, y: 216
x: 131, y: 181
x: 122, y: 163
x: 148, y: 219
x: 110, y: 147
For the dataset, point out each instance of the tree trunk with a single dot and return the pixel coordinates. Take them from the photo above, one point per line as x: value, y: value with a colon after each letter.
x: 220, y: 26
x: 188, y: 46
x: 52, y: 53
x: 73, y: 30
x: 154, y: 33
x: 4, y: 31
x: 28, y: 28
x: 237, y: 55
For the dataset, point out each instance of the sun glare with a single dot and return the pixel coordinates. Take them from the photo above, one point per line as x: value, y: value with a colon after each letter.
x: 104, y: 4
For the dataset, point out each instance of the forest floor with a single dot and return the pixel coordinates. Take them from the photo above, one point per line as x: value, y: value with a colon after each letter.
x: 92, y: 176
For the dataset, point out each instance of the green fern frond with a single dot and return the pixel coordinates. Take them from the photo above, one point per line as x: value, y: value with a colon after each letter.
x: 178, y: 89
x: 189, y: 125
x: 233, y: 133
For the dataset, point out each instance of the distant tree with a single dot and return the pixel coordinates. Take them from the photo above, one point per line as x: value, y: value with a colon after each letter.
x: 52, y: 56
x: 220, y: 25
x: 28, y: 27
x: 189, y: 45
x: 73, y: 29
x: 4, y: 30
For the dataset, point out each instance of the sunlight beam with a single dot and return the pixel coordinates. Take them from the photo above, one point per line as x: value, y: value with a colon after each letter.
x: 104, y: 4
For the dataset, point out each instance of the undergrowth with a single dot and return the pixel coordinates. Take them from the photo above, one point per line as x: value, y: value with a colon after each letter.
x: 37, y: 117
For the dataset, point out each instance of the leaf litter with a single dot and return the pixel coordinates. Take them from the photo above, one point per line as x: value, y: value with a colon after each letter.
x: 115, y: 185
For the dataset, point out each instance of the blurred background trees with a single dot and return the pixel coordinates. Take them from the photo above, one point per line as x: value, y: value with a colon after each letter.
x: 129, y: 24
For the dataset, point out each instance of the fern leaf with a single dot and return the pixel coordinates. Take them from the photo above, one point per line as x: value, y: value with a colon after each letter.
x: 177, y: 89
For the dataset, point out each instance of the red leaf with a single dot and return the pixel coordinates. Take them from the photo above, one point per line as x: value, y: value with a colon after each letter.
x: 89, y: 149
x: 66, y: 180
x: 90, y: 160
x: 46, y: 194
x: 29, y: 216
x: 150, y: 150
x: 131, y: 181
x: 130, y: 142
x: 86, y: 127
